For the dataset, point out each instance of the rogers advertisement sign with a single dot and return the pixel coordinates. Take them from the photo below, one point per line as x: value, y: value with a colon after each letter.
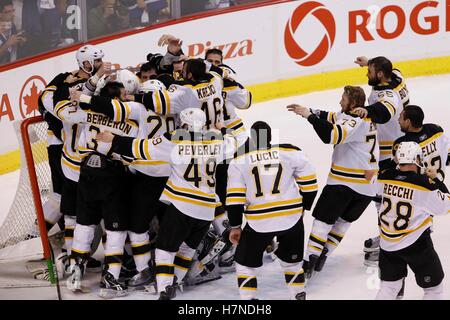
x: 386, y: 22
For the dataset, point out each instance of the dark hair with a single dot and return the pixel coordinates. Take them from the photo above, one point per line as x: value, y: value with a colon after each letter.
x: 4, y: 3
x: 382, y: 64
x: 261, y: 134
x: 214, y: 51
x: 414, y: 114
x: 111, y: 90
x: 356, y: 95
x: 147, y: 67
x: 197, y: 68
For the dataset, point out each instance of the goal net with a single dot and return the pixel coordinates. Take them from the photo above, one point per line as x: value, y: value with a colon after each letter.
x: 20, y: 232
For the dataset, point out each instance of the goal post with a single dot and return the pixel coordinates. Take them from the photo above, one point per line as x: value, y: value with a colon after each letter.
x: 25, y: 219
x: 36, y: 192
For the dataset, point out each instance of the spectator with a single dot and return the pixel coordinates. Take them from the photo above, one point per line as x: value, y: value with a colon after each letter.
x: 108, y: 17
x: 144, y: 12
x: 55, y: 27
x: 192, y: 6
x: 10, y: 40
x: 27, y: 19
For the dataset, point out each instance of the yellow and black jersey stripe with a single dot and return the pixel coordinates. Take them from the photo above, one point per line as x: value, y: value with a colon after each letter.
x: 121, y: 110
x: 389, y: 106
x: 338, y: 134
x: 350, y: 175
x: 140, y: 149
x: 236, y: 196
x: 192, y: 196
x: 60, y: 106
x: 235, y: 124
x: 162, y: 102
x: 395, y: 236
x: 386, y: 147
x: 274, y: 209
x: 331, y: 117
x: 307, y: 183
x: 70, y: 161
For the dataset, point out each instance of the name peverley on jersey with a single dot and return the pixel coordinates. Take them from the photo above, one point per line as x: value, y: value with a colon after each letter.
x: 408, y: 202
x: 387, y: 132
x: 193, y: 158
x: 435, y: 147
x: 355, y: 151
x: 206, y: 95
x: 267, y: 183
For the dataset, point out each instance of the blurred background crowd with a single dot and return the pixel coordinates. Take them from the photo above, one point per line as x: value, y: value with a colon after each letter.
x: 30, y: 27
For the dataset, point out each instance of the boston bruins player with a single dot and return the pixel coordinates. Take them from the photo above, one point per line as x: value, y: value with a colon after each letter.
x: 272, y: 185
x: 64, y: 119
x: 193, y: 155
x: 388, y: 97
x: 351, y: 182
x: 409, y: 199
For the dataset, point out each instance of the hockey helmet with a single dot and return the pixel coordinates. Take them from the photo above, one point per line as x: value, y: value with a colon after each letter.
x: 129, y: 80
x: 409, y: 152
x: 194, y: 118
x: 88, y: 53
x: 150, y: 86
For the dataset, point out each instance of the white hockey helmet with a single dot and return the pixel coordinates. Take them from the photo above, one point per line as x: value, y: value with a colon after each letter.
x: 409, y: 153
x: 150, y: 86
x: 129, y: 80
x: 194, y: 118
x: 88, y: 53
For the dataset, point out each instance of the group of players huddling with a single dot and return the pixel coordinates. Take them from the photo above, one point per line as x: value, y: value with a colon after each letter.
x: 161, y: 168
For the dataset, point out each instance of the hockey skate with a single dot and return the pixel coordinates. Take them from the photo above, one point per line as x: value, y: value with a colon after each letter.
x: 321, y: 261
x: 371, y: 259
x: 111, y: 288
x: 39, y: 269
x: 300, y: 296
x: 74, y: 281
x: 169, y: 293
x: 372, y: 245
x: 210, y: 273
x: 141, y: 280
x: 310, y: 265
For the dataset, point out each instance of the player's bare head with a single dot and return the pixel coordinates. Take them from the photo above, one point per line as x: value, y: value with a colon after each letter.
x: 113, y: 90
x: 147, y: 72
x: 214, y: 56
x: 194, y: 69
x: 261, y: 134
x: 379, y: 70
x: 353, y: 97
x: 411, y: 118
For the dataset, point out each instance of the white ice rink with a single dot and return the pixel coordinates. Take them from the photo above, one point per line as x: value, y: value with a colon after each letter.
x: 344, y: 275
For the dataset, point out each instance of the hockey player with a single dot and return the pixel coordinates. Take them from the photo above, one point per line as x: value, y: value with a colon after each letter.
x: 193, y: 155
x: 272, y: 185
x: 351, y: 182
x: 388, y: 97
x: 409, y: 199
x: 56, y: 106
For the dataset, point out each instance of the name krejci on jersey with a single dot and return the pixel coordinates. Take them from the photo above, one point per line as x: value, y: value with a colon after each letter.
x: 206, y: 92
x: 398, y: 191
x: 99, y: 119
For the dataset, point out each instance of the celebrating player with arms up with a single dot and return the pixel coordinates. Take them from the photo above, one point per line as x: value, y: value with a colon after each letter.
x: 350, y: 186
x: 409, y: 199
x: 275, y: 184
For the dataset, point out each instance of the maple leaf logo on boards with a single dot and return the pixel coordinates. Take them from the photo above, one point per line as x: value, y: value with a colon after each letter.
x: 31, y: 100
x: 29, y: 96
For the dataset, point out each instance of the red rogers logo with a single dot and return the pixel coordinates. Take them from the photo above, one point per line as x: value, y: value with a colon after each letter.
x: 294, y: 49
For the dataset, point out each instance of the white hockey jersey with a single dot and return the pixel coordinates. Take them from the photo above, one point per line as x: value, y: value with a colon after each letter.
x: 409, y: 201
x: 267, y: 182
x: 389, y: 131
x: 356, y: 151
x: 193, y: 158
x: 206, y: 95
